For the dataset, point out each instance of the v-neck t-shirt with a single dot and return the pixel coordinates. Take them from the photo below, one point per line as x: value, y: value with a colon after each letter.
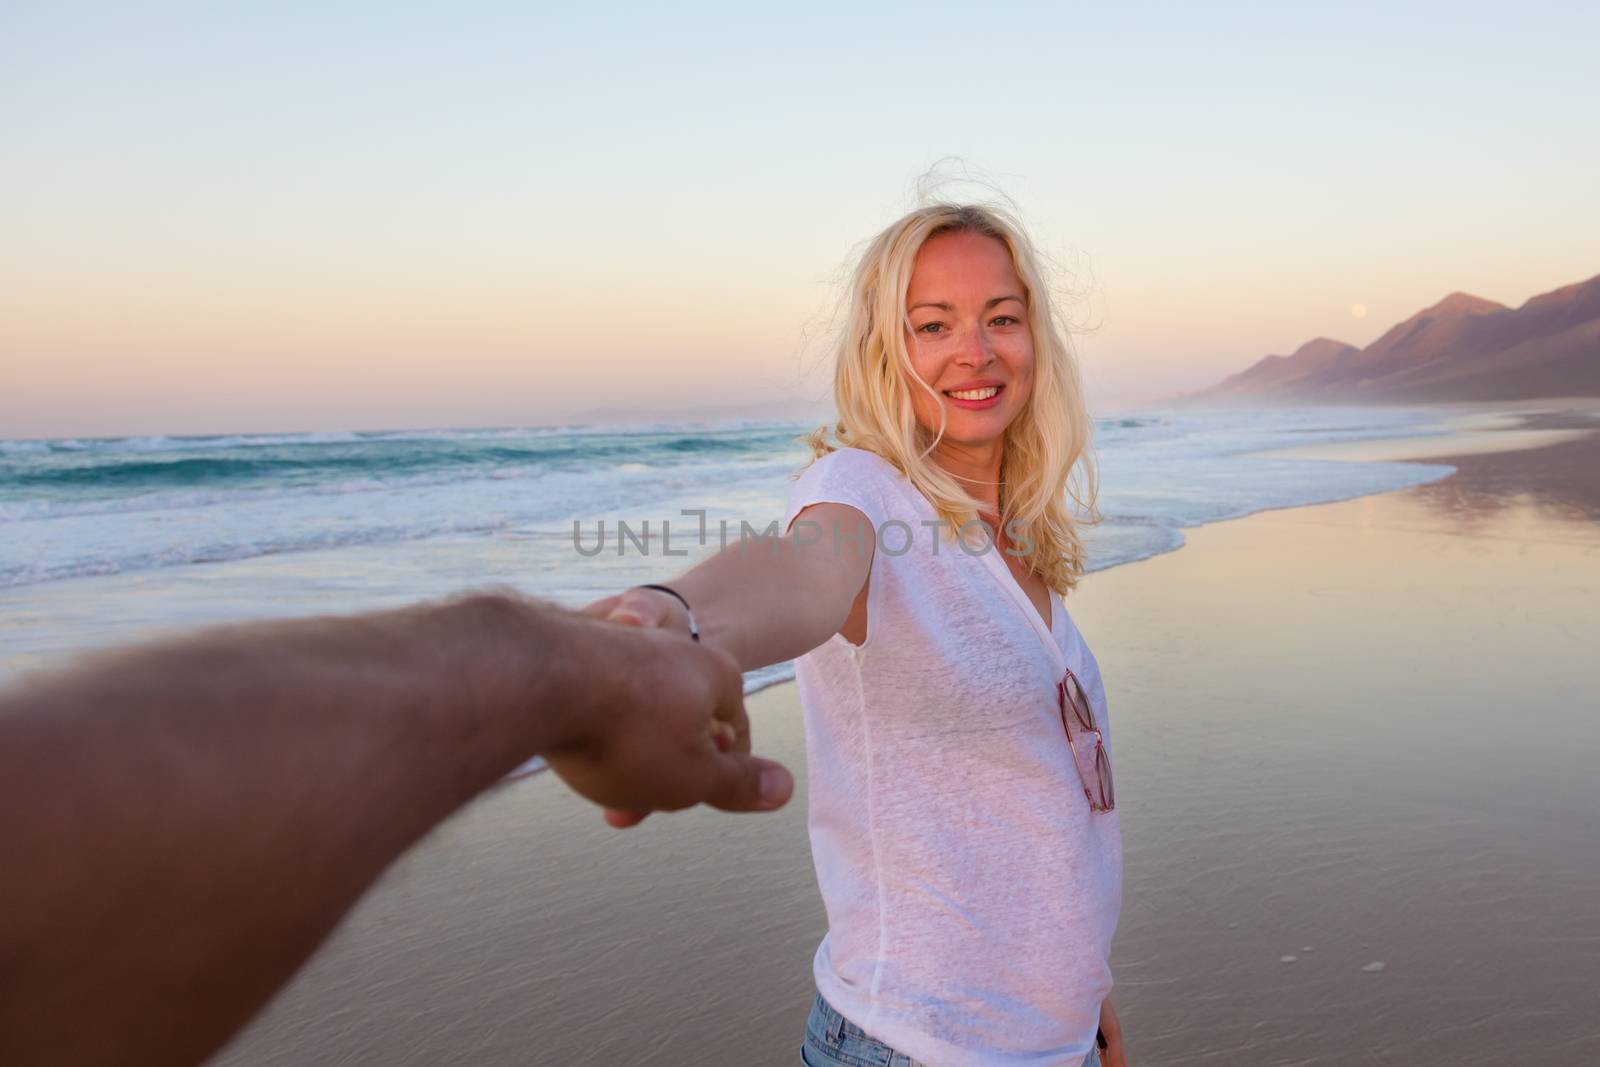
x: 971, y: 894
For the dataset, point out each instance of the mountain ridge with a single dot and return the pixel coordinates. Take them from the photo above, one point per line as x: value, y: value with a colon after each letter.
x: 1463, y: 347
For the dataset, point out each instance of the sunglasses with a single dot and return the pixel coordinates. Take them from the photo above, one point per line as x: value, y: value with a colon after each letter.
x: 1088, y: 746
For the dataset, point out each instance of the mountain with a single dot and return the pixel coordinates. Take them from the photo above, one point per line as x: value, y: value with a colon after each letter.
x: 1462, y: 348
x: 1275, y: 375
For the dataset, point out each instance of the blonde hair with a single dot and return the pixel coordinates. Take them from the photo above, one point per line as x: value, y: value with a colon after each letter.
x: 1045, y: 457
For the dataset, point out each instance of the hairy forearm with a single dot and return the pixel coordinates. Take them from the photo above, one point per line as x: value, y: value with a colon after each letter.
x: 203, y: 812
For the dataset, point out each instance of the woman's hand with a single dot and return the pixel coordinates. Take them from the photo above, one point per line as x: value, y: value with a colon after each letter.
x: 649, y: 608
x: 1113, y: 1054
x: 652, y: 609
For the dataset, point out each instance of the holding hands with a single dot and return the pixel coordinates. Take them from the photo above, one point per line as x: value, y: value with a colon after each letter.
x: 661, y: 747
x: 650, y: 607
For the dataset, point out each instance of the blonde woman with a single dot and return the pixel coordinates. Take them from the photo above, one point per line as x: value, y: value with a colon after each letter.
x: 961, y: 805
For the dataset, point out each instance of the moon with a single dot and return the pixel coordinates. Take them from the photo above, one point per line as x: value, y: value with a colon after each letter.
x: 1358, y: 311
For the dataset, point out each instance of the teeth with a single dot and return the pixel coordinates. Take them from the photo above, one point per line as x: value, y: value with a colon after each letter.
x: 975, y: 394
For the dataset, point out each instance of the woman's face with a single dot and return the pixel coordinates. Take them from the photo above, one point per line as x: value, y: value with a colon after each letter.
x: 968, y: 336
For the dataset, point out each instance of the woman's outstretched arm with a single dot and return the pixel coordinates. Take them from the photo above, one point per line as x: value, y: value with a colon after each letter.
x: 765, y: 599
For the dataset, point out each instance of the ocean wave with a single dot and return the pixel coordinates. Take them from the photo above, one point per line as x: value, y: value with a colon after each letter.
x: 195, y: 499
x: 304, y: 460
x: 188, y: 490
x: 53, y: 539
x: 707, y: 444
x: 13, y: 575
x: 1128, y: 422
x: 207, y: 442
x: 72, y: 445
x: 260, y: 474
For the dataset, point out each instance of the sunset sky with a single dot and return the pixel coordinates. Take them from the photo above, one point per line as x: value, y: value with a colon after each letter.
x: 246, y: 218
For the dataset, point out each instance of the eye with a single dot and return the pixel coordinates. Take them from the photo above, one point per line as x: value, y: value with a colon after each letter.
x: 930, y: 327
x: 1004, y: 320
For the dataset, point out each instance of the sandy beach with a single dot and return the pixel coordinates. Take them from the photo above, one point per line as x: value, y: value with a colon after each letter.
x: 1355, y: 765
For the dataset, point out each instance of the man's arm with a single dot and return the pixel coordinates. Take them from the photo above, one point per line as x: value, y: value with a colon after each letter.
x: 184, y: 823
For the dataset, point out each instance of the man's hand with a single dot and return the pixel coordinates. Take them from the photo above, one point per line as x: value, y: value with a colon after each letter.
x: 185, y: 816
x: 650, y: 609
x: 1113, y: 1055
x: 674, y: 734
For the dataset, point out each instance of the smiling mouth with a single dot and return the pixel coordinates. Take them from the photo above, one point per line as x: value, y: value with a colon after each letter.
x: 974, y: 394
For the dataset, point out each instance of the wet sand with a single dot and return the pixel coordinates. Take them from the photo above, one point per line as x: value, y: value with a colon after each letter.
x: 1349, y: 735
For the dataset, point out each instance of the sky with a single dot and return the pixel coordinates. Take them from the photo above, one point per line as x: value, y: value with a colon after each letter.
x: 229, y: 218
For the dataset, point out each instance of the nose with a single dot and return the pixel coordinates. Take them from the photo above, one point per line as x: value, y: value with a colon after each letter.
x: 974, y: 350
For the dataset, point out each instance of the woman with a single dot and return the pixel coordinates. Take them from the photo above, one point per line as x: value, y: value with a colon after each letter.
x: 961, y: 806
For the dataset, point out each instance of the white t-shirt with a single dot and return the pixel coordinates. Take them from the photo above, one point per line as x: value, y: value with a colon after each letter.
x: 971, y: 893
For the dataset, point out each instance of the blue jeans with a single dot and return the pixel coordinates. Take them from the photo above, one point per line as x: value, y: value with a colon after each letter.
x: 834, y: 1041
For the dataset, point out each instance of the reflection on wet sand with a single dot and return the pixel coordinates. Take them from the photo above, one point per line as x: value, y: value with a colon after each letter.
x: 1561, y: 479
x: 1363, y: 734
